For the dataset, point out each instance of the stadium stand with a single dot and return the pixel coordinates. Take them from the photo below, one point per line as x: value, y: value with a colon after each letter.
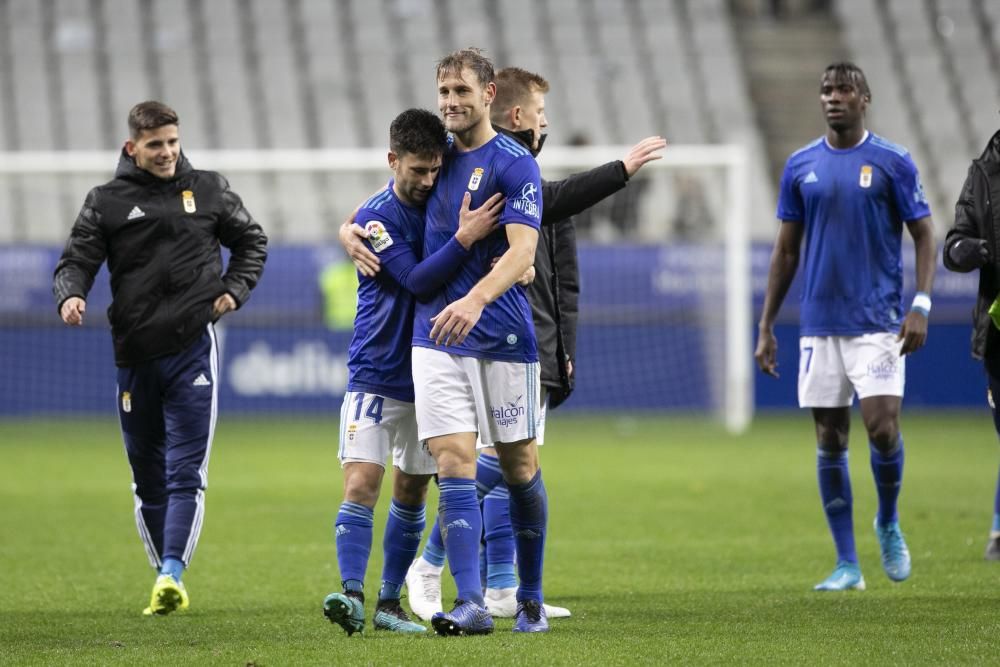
x: 262, y: 74
x: 927, y: 63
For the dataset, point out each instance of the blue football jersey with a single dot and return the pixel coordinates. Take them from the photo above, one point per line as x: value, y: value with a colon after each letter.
x: 853, y: 203
x: 379, y: 356
x: 505, y: 331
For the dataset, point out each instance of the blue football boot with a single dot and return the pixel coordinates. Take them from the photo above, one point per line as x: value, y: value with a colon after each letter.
x: 530, y: 617
x: 347, y: 611
x: 895, y: 555
x: 846, y: 576
x: 467, y: 618
x: 389, y: 615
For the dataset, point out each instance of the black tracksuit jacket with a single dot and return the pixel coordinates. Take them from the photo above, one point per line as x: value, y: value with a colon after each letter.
x: 977, y: 217
x: 161, y: 239
x: 554, y: 294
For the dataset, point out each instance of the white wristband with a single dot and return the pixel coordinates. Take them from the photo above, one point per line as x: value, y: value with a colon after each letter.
x: 921, y: 303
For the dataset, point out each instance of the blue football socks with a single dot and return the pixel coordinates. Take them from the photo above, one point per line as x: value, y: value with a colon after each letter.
x: 354, y: 540
x: 434, y: 552
x: 462, y: 530
x: 488, y: 474
x: 838, y: 503
x: 403, y: 530
x: 996, y: 509
x: 499, y: 539
x: 172, y: 566
x: 529, y: 508
x: 887, y: 469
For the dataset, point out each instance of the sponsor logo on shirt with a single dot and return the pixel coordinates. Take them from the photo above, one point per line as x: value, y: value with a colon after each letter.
x: 527, y: 203
x: 476, y: 178
x: 918, y: 193
x: 811, y: 178
x: 507, y: 414
x: 378, y: 236
x: 865, y: 180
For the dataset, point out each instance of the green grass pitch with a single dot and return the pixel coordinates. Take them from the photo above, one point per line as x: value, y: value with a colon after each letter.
x: 669, y: 540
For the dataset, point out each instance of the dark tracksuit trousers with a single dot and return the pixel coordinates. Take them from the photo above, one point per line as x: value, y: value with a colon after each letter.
x: 167, y: 407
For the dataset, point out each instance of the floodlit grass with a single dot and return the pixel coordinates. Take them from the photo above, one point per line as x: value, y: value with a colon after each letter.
x: 669, y: 540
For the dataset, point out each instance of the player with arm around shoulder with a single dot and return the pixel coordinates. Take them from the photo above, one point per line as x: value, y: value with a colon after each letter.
x: 846, y: 197
x: 159, y: 224
x: 377, y: 418
x: 518, y: 111
x: 475, y: 362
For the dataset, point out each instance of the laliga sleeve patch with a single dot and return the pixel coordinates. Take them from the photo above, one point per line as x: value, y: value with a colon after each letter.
x: 378, y: 236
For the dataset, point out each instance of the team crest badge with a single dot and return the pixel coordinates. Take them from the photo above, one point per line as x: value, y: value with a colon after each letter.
x: 378, y: 236
x: 477, y: 177
x: 352, y: 431
x: 188, y: 198
x: 126, y: 401
x: 866, y: 177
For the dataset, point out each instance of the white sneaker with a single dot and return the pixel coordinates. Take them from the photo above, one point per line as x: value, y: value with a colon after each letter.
x: 423, y: 584
x: 556, y: 612
x: 502, y: 603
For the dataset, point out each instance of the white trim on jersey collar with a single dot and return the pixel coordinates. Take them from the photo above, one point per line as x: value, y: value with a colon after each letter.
x: 864, y: 138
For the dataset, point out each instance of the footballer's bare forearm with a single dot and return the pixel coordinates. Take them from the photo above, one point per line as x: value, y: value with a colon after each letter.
x: 784, y: 264
x: 922, y: 231
x: 506, y: 272
x: 779, y: 280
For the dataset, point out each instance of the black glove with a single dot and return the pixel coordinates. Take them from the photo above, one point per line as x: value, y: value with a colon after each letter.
x: 969, y: 254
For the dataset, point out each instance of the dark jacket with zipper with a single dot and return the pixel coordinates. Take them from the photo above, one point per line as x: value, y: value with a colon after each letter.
x: 977, y: 218
x: 554, y: 294
x: 161, y: 239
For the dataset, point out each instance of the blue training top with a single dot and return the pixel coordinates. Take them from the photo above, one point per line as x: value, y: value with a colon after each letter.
x: 379, y: 356
x: 853, y: 203
x: 505, y: 331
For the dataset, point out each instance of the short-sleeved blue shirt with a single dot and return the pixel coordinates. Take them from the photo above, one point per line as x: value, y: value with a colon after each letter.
x: 505, y: 331
x: 853, y: 203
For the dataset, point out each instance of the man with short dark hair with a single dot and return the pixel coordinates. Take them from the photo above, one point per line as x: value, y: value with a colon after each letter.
x: 847, y: 195
x: 160, y: 224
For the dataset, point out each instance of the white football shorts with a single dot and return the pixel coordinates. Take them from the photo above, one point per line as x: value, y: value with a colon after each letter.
x: 543, y: 411
x: 834, y: 368
x: 456, y: 394
x: 372, y: 427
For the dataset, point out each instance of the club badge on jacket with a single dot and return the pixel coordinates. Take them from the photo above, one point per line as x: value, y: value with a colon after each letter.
x: 188, y: 198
